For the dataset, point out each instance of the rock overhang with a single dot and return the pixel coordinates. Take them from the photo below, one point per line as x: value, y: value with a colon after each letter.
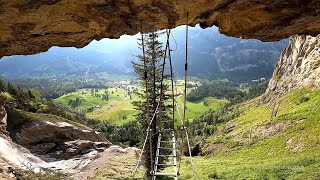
x: 29, y: 27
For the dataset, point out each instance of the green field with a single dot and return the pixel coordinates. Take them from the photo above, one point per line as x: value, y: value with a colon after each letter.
x: 197, y: 108
x: 118, y: 109
x: 290, y: 152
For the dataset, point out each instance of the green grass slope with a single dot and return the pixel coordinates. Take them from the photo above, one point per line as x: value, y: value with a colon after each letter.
x: 118, y: 109
x: 197, y: 108
x: 288, y: 147
x: 112, y: 110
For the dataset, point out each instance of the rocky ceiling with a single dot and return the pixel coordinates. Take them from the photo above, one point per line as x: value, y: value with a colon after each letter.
x: 33, y: 26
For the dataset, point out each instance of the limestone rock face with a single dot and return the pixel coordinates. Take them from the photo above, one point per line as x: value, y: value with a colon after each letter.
x: 29, y: 27
x: 298, y: 66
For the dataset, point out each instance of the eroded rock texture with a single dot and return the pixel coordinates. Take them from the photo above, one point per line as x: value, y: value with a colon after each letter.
x: 29, y: 26
x: 298, y: 66
x: 36, y: 132
x: 3, y: 122
x: 59, y: 140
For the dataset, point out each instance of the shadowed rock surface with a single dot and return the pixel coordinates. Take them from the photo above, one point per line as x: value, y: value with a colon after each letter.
x: 29, y: 27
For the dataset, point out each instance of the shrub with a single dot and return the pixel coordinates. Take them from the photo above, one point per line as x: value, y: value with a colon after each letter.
x: 303, y: 99
x: 5, y: 97
x: 213, y: 175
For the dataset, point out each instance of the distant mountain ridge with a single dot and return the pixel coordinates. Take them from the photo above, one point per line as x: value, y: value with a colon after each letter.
x: 211, y: 55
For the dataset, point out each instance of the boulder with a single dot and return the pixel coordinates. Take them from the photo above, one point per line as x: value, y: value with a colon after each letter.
x: 69, y: 149
x: 42, y: 148
x: 36, y: 132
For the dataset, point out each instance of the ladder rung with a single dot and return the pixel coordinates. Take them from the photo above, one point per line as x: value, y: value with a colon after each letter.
x: 166, y: 165
x: 166, y: 156
x: 167, y: 141
x: 167, y: 136
x: 165, y: 174
x: 167, y: 148
x: 167, y: 121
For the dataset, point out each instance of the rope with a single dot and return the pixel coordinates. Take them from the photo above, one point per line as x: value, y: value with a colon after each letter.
x: 147, y: 96
x: 171, y: 75
x: 185, y: 73
x: 162, y: 74
x: 145, y: 141
x: 185, y: 99
x: 188, y: 142
x: 174, y: 42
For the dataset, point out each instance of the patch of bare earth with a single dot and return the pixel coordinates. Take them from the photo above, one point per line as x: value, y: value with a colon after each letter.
x: 113, y: 163
x: 6, y: 171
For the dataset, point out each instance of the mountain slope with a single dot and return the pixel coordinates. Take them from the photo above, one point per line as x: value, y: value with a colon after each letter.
x: 275, y: 136
x: 285, y: 148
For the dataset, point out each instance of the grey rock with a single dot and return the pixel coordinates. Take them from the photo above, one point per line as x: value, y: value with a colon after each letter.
x: 298, y: 66
x: 42, y: 148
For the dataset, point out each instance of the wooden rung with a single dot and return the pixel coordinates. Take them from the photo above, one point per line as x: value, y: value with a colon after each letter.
x: 165, y: 174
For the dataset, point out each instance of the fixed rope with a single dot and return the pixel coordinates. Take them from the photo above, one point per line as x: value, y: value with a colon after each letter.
x: 189, y: 148
x: 185, y: 101
x: 162, y: 74
x: 145, y: 141
x: 147, y: 95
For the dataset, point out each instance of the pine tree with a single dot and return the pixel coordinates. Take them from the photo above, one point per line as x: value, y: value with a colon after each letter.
x: 150, y: 73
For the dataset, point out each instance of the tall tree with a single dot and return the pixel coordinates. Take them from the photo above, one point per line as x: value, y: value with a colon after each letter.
x: 148, y: 69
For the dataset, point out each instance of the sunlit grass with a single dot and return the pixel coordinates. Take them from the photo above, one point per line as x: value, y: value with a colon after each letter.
x: 197, y: 108
x: 267, y: 157
x: 120, y: 110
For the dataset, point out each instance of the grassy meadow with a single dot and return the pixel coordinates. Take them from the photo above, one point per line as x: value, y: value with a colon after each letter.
x: 287, y: 147
x: 118, y: 108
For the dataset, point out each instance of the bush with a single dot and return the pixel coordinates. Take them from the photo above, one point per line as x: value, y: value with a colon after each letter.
x: 303, y: 99
x: 213, y: 175
x: 5, y: 97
